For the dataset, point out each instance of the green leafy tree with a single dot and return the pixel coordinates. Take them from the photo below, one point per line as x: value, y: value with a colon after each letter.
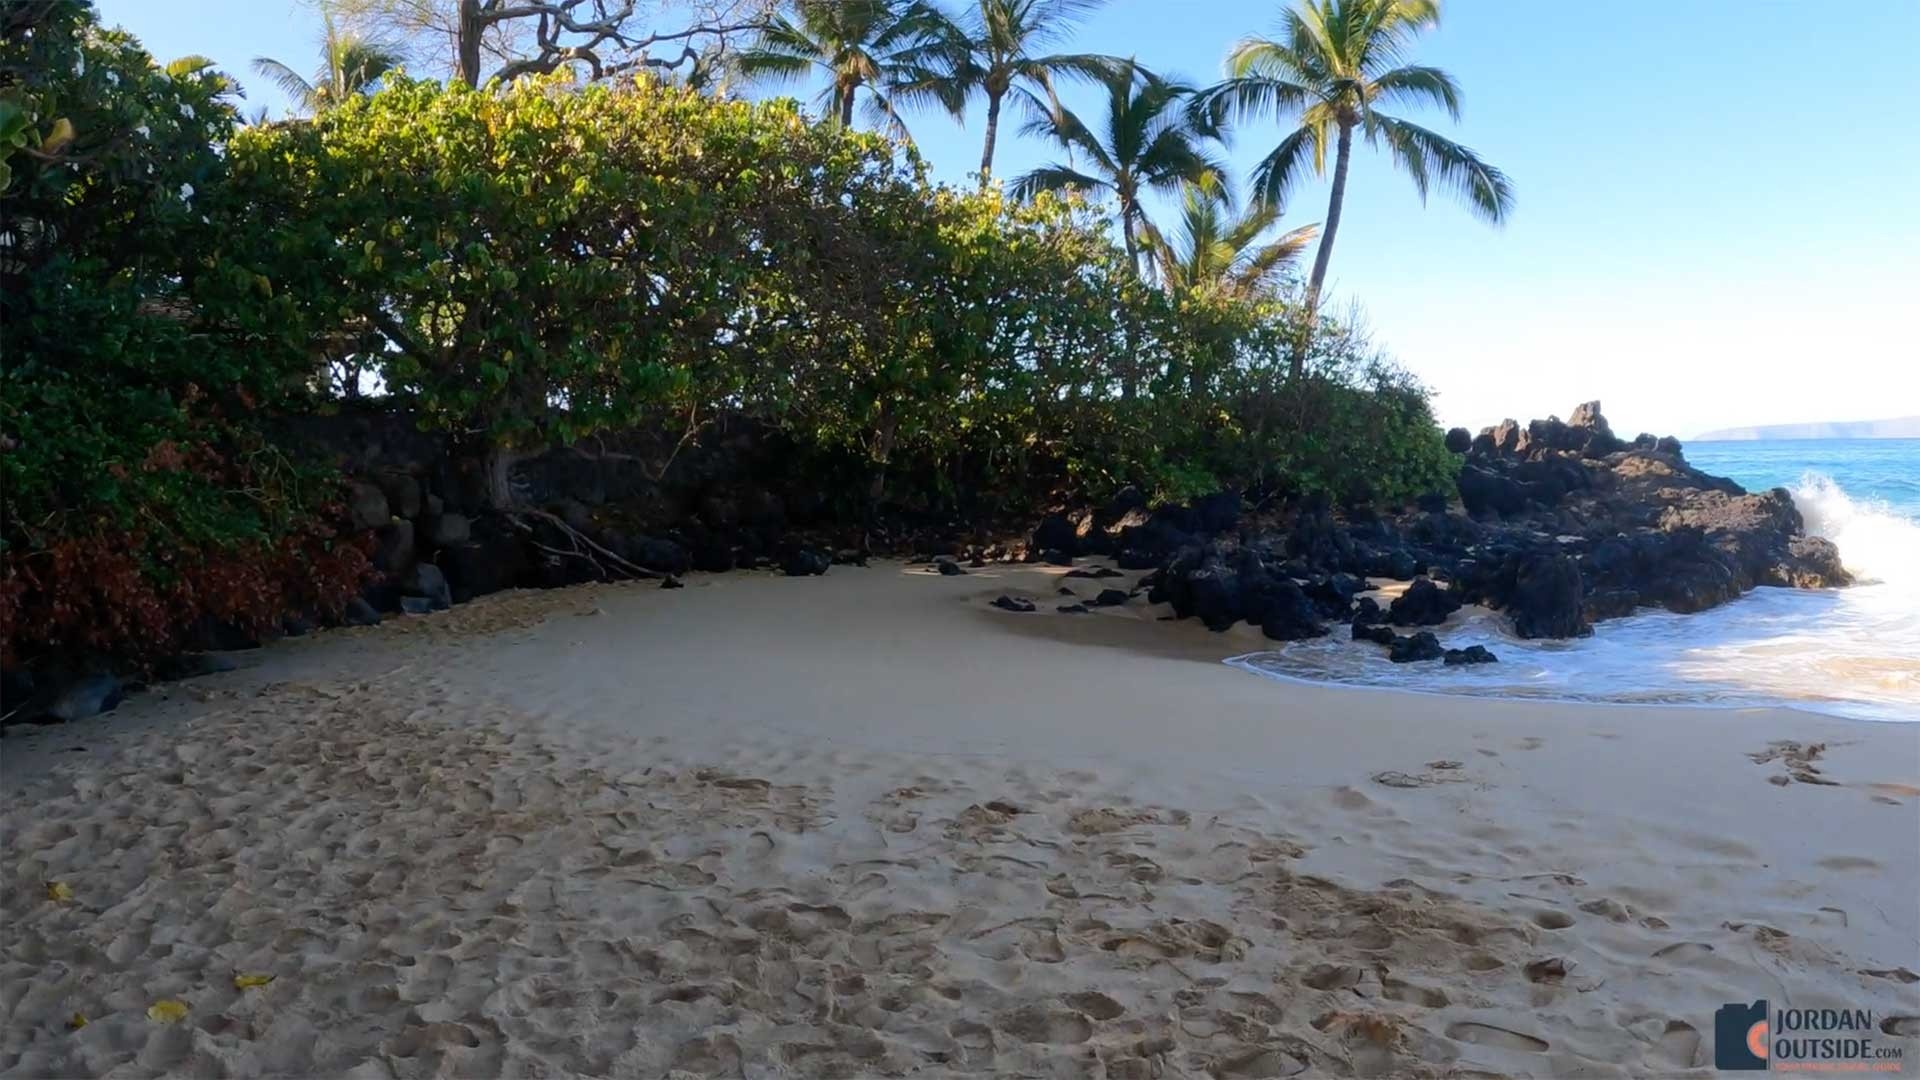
x: 350, y: 65
x: 1219, y: 249
x: 543, y: 265
x: 1144, y: 143
x: 863, y: 46
x: 1333, y: 65
x: 996, y: 51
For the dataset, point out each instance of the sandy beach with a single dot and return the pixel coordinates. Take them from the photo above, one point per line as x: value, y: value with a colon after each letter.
x: 867, y: 824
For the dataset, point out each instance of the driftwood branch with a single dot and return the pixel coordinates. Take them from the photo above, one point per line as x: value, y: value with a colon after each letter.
x: 580, y: 540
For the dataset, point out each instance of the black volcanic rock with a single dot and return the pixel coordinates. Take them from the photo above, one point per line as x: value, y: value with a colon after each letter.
x: 1418, y: 647
x: 1564, y: 524
x: 1422, y: 604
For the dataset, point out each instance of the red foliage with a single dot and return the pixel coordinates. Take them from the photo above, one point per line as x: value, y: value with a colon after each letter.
x: 93, y: 595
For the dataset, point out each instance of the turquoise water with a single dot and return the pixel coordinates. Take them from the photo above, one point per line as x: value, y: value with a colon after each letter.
x: 1851, y: 652
x: 1868, y: 470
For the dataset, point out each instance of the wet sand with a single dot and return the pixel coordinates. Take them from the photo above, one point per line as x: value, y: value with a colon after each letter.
x: 869, y: 825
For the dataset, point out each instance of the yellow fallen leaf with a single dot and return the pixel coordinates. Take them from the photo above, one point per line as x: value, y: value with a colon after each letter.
x: 167, y: 1011
x: 58, y: 892
x: 245, y: 982
x: 76, y: 1021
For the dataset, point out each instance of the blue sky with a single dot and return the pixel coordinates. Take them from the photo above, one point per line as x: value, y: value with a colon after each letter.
x: 1716, y: 219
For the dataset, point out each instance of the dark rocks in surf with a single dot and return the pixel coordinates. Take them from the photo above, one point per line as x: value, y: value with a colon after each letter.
x: 1415, y: 648
x: 1423, y: 604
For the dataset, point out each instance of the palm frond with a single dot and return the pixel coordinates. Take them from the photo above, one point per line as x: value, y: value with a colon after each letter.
x: 1420, y: 85
x: 1055, y: 178
x: 1430, y: 158
x: 1287, y: 164
x: 291, y: 83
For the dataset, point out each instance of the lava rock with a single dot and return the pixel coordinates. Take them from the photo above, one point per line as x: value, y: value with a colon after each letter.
x: 359, y: 613
x: 367, y: 506
x: 1072, y: 609
x: 949, y: 568
x: 1056, y: 557
x: 1096, y: 572
x: 450, y: 530
x: 89, y: 695
x: 657, y: 554
x: 416, y: 605
x: 1459, y: 440
x: 1415, y: 648
x: 1109, y: 598
x: 805, y: 562
x: 671, y: 582
x: 1013, y: 603
x: 426, y: 582
x: 1423, y: 604
x: 1472, y: 654
x: 393, y: 549
x: 1055, y: 533
x: 1548, y: 598
x: 1368, y: 613
x: 1379, y: 635
x: 1288, y: 614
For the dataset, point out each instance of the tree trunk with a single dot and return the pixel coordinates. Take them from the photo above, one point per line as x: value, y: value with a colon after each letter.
x: 467, y: 41
x: 499, y: 464
x: 846, y: 106
x: 1343, y: 154
x: 993, y: 131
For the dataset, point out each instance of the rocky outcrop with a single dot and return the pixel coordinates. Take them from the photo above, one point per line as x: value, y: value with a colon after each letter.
x: 1559, y: 524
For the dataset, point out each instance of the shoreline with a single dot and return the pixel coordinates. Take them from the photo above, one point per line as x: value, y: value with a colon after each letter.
x: 510, y: 836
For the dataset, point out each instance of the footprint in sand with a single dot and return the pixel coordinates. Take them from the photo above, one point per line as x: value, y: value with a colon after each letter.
x: 1412, y: 993
x: 1531, y: 742
x: 1038, y: 1024
x: 1498, y: 1037
x: 1333, y: 977
x: 1904, y: 1026
x: 1553, y: 969
x: 1552, y: 920
x: 1096, y: 1004
x: 1848, y: 862
x: 1260, y: 1063
x: 1899, y: 974
x: 1679, y: 1045
x: 1683, y: 952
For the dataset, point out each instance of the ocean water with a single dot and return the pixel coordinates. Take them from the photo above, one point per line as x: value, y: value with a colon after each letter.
x: 1851, y: 652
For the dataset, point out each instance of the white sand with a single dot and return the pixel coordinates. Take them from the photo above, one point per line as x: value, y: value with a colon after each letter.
x: 866, y: 825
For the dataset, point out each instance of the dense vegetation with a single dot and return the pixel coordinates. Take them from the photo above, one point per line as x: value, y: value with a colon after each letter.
x: 529, y: 264
x: 141, y: 497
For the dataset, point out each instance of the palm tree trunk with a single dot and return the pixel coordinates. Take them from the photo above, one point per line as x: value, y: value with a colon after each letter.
x: 993, y: 130
x: 1343, y: 155
x: 846, y: 106
x: 1127, y: 213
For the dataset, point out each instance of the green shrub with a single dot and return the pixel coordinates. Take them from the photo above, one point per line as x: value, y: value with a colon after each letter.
x: 135, y: 478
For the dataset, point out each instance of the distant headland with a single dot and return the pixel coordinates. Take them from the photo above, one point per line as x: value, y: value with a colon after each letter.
x: 1903, y: 427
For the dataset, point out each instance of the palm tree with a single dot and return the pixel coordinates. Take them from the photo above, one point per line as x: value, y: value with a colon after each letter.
x: 1332, y: 64
x: 1147, y: 145
x: 994, y: 50
x: 870, y: 45
x: 350, y: 65
x: 1221, y: 250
